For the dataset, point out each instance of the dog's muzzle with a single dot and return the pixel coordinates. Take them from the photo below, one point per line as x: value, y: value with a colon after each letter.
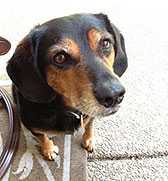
x: 109, y: 93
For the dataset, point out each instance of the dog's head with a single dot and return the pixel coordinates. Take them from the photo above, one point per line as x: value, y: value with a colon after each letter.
x: 78, y: 57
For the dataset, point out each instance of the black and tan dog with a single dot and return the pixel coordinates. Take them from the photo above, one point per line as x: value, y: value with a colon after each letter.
x: 65, y: 68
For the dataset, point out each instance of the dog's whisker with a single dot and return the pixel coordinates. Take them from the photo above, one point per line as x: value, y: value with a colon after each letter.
x: 90, y: 108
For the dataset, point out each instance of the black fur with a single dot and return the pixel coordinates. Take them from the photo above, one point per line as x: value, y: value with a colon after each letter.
x: 25, y: 73
x: 39, y: 106
x: 47, y: 116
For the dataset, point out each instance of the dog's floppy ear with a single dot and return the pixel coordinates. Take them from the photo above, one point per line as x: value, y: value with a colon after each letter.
x: 24, y: 71
x: 4, y: 46
x: 121, y: 61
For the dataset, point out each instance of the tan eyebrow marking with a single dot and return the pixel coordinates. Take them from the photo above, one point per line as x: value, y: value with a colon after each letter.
x: 93, y: 37
x: 109, y: 61
x: 68, y: 45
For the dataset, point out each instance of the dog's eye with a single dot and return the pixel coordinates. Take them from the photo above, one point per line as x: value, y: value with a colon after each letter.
x: 63, y: 60
x: 60, y: 58
x: 106, y: 43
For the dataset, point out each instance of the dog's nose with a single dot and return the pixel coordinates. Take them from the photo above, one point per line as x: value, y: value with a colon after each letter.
x: 115, y: 98
x: 109, y: 96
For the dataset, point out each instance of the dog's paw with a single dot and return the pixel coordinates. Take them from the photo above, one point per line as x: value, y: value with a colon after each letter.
x: 88, y: 145
x: 50, y: 151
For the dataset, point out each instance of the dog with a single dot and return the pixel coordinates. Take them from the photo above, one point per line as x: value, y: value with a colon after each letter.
x: 65, y: 73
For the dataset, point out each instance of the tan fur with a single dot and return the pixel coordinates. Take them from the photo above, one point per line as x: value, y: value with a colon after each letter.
x: 109, y: 61
x: 73, y: 84
x: 68, y: 45
x: 93, y: 38
x: 88, y: 136
x: 47, y: 146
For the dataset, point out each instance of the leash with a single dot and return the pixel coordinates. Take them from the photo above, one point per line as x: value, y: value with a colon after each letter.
x: 12, y: 139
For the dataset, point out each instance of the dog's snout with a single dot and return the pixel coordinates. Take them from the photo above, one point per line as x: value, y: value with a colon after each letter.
x: 115, y: 98
x: 109, y: 96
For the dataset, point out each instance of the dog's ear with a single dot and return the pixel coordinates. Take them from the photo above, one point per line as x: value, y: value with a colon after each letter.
x: 4, y: 46
x: 24, y: 71
x: 121, y: 61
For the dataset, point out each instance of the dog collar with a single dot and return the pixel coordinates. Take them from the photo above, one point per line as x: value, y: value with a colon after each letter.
x: 78, y: 116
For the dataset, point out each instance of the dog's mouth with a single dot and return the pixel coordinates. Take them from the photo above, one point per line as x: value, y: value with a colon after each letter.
x: 109, y: 111
x: 99, y: 110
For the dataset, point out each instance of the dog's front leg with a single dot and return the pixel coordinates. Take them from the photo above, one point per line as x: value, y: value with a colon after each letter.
x: 88, y: 136
x: 48, y: 149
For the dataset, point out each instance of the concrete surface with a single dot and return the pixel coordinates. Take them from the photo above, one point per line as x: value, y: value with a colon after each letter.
x: 132, y: 145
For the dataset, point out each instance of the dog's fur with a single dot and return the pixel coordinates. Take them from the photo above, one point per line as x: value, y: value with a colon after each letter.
x: 47, y: 89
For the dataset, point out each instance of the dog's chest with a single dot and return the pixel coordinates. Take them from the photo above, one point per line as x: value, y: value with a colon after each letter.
x: 50, y: 116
